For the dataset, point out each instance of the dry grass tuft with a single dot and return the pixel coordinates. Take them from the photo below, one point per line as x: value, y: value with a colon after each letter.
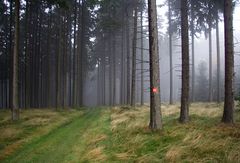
x: 234, y: 155
x: 96, y: 154
x: 133, y: 118
x: 120, y: 116
x: 173, y: 154
x: 96, y: 139
x: 147, y: 159
x: 170, y: 109
x: 206, y: 109
x: 124, y: 156
x: 193, y: 137
x: 38, y: 121
x: 10, y: 149
x: 8, y: 133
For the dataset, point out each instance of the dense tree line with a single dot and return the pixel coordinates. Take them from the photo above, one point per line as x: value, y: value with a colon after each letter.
x: 50, y: 52
x: 59, y: 42
x: 48, y: 48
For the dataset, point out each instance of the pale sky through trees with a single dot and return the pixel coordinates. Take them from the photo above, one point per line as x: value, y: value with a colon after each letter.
x: 201, y: 41
x: 236, y: 20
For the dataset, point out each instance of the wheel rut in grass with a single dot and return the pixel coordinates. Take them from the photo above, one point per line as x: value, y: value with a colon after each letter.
x: 69, y: 143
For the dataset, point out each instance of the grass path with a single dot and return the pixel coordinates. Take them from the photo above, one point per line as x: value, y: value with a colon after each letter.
x: 122, y: 135
x: 67, y: 143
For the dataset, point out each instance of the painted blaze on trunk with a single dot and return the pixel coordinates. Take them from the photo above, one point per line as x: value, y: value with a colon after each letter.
x: 155, y: 107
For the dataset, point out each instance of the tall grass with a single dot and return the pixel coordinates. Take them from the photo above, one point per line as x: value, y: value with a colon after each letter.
x: 203, y: 139
x: 121, y: 134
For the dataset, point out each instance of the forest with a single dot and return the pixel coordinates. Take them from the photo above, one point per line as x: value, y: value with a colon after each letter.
x: 119, y: 81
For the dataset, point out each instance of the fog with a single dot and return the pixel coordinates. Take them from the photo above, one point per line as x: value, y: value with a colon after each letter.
x: 80, y: 53
x: 201, y: 57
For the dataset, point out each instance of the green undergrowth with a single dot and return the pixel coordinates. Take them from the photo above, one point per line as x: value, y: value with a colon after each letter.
x: 121, y: 134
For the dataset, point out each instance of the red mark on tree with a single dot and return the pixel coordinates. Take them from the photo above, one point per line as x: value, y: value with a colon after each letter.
x: 154, y: 90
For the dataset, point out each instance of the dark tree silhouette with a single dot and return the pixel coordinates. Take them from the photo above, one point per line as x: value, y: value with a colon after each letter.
x: 184, y: 114
x: 229, y: 62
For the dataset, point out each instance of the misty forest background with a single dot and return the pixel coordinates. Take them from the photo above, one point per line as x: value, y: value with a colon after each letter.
x: 90, y: 53
x: 119, y: 81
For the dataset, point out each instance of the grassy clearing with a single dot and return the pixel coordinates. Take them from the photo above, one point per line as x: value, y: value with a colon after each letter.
x: 122, y: 135
x: 77, y: 141
x: 204, y: 139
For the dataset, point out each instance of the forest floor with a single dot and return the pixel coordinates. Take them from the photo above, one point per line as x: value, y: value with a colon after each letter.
x: 119, y: 134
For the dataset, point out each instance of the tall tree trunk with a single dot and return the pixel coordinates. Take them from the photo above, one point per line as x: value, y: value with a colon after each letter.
x: 229, y: 62
x: 114, y: 69
x: 142, y: 71
x: 134, y: 45
x: 78, y: 65
x: 184, y: 113
x: 122, y: 86
x: 170, y: 52
x: 103, y: 72
x: 27, y: 58
x: 15, y: 103
x: 193, y: 53
x: 49, y: 67
x: 10, y: 56
x: 99, y: 91
x: 58, y: 64
x: 110, y: 68
x: 40, y: 60
x: 128, y: 61
x: 155, y: 105
x: 74, y: 60
x: 37, y: 55
x: 218, y: 62
x: 83, y: 59
x: 65, y: 59
x: 210, y: 63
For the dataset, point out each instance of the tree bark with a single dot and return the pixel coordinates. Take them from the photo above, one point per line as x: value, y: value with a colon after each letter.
x: 122, y: 84
x: 134, y: 45
x: 49, y: 67
x: 218, y: 62
x: 104, y: 72
x: 65, y: 60
x: 229, y: 63
x: 170, y: 53
x: 10, y: 56
x: 184, y: 113
x: 128, y: 61
x: 210, y: 63
x: 83, y: 54
x: 74, y: 60
x: 58, y: 64
x: 193, y: 53
x: 27, y: 58
x: 142, y: 71
x: 110, y: 62
x: 15, y: 102
x: 114, y: 69
x: 155, y: 107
